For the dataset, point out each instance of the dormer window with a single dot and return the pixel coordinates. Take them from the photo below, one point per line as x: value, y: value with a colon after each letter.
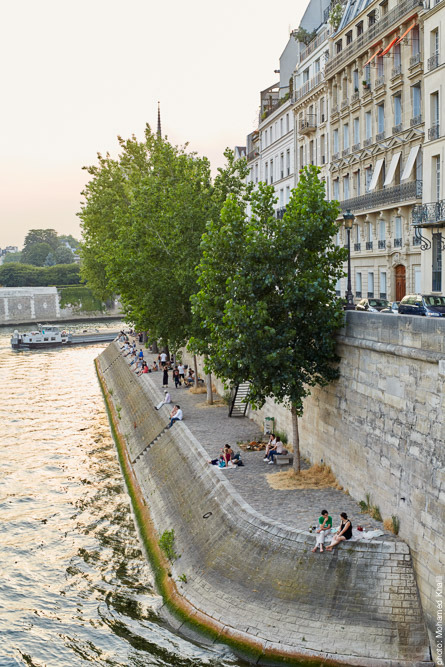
x: 349, y: 37
x: 372, y: 17
x: 338, y: 46
x: 359, y: 27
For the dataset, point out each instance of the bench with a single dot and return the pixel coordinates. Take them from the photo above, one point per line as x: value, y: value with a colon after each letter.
x: 283, y: 459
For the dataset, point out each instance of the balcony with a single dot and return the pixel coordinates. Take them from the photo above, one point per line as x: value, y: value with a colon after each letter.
x: 358, y: 294
x: 416, y: 240
x: 367, y: 142
x: 344, y: 104
x: 370, y: 295
x: 381, y: 244
x: 368, y: 245
x: 384, y: 197
x: 398, y: 243
x: 383, y: 295
x: 397, y: 128
x: 429, y: 215
x: 433, y: 132
x: 415, y: 60
x: 308, y: 124
x: 308, y: 86
x: 396, y: 71
x: 379, y: 82
x: 355, y: 97
x: 280, y: 212
x: 357, y: 247
x: 355, y: 147
x: 252, y: 155
x: 345, y: 152
x: 391, y: 18
x: 380, y: 136
x: 319, y: 39
x: 433, y: 62
x: 335, y: 156
x: 417, y: 120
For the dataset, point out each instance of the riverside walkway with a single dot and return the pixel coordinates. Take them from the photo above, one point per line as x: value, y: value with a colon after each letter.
x: 298, y: 508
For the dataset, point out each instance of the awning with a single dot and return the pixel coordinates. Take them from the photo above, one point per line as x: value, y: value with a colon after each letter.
x: 413, y: 25
x: 372, y: 57
x: 376, y: 174
x: 410, y: 162
x: 392, y: 169
x: 389, y: 47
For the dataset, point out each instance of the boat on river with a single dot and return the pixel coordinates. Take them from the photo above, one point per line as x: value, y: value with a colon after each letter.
x: 49, y: 335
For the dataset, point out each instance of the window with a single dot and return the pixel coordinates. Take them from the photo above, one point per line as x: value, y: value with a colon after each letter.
x: 356, y: 130
x: 282, y: 165
x: 322, y: 112
x: 368, y: 177
x: 281, y: 127
x: 380, y: 69
x: 383, y: 284
x: 317, y: 66
x: 336, y: 189
x: 355, y: 80
x: 368, y: 125
x: 415, y: 41
x: 382, y: 230
x: 287, y: 122
x: 270, y: 134
x: 359, y: 27
x: 322, y: 149
x: 266, y: 172
x: 368, y: 232
x: 434, y: 42
x: 372, y: 17
x: 397, y: 55
x: 271, y: 171
x: 357, y: 233
x: 311, y: 152
x: 346, y: 135
x: 287, y: 194
x: 281, y: 198
x: 398, y: 232
x: 434, y: 98
x: 370, y: 285
x: 397, y: 109
x: 301, y: 157
x: 349, y: 37
x: 416, y: 100
x: 338, y: 46
x: 344, y: 88
x: 357, y: 183
x: 417, y: 280
x: 256, y: 173
x: 380, y: 118
x: 358, y: 285
x: 335, y: 141
x: 437, y: 262
x: 346, y: 187
x: 436, y: 177
x: 306, y: 75
x: 288, y: 162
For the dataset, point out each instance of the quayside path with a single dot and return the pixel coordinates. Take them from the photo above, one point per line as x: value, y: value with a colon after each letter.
x: 213, y: 428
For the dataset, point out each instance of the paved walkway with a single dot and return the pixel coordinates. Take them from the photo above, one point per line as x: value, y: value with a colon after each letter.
x: 212, y: 426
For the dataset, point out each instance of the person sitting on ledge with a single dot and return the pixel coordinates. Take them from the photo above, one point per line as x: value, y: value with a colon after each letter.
x: 325, y: 522
x: 276, y: 450
x: 343, y: 533
x: 176, y: 415
x: 270, y: 444
x: 167, y: 399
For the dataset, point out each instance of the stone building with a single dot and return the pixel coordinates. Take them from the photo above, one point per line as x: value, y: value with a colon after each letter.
x: 374, y: 78
x: 429, y: 218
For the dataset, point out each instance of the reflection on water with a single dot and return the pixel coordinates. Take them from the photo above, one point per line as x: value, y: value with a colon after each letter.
x: 75, y: 587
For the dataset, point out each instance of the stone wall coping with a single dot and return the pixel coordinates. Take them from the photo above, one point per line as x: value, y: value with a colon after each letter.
x: 390, y: 348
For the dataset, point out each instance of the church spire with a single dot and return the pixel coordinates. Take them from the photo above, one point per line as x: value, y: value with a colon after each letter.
x: 159, y: 121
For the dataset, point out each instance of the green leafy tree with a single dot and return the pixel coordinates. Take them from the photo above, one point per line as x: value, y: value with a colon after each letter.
x: 68, y: 238
x: 63, y: 255
x: 26, y: 275
x: 267, y: 301
x: 50, y: 260
x: 36, y: 253
x: 48, y: 236
x: 12, y: 257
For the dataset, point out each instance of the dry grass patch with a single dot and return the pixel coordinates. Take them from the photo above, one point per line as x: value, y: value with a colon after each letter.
x: 198, y: 390
x: 217, y: 403
x: 316, y: 477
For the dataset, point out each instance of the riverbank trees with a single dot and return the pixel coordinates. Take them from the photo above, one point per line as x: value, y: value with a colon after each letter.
x: 267, y: 300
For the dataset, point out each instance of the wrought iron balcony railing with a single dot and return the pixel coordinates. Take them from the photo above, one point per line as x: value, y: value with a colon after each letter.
x: 434, y: 132
x: 280, y: 212
x: 355, y: 96
x: 396, y: 71
x: 416, y: 120
x: 394, y: 195
x: 355, y: 147
x: 367, y: 142
x: 429, y: 214
x: 398, y: 243
x: 433, y: 62
x: 308, y: 124
x: 335, y: 156
x: 315, y: 43
x: 308, y: 86
x: 345, y: 152
x: 357, y: 247
x: 391, y: 18
x: 344, y: 104
x: 380, y: 81
x: 381, y: 244
x: 380, y: 136
x: 368, y: 245
x: 416, y: 59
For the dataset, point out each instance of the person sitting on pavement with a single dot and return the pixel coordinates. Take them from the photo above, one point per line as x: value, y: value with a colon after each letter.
x: 155, y: 367
x: 167, y: 399
x: 176, y: 415
x: 343, y: 533
x: 190, y: 379
x: 325, y: 525
x: 276, y: 450
x: 270, y: 444
x: 142, y: 368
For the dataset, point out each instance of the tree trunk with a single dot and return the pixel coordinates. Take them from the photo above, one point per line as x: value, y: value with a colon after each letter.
x: 144, y: 337
x: 295, y: 439
x: 195, y: 363
x: 209, y: 387
x: 154, y: 347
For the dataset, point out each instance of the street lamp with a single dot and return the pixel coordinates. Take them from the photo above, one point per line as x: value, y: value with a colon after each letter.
x: 349, y: 221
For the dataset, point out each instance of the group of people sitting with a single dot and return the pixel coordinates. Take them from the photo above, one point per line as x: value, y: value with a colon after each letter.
x: 274, y: 448
x: 227, y: 458
x: 344, y: 531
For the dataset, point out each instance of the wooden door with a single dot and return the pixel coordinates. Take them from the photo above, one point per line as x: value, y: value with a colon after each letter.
x: 400, y: 282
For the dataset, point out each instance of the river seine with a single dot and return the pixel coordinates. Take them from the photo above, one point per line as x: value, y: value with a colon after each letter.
x: 75, y: 587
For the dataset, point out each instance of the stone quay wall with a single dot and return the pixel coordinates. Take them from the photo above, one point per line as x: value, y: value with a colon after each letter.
x: 251, y: 580
x: 381, y: 428
x: 28, y: 305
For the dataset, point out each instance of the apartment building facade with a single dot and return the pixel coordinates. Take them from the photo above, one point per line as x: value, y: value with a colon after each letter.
x: 429, y: 217
x: 375, y: 83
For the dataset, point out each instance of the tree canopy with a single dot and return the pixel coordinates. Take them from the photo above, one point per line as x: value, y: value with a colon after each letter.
x: 26, y: 275
x: 143, y: 217
x: 43, y: 247
x: 267, y: 301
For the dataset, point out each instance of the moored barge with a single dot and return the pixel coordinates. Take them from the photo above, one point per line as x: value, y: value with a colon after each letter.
x: 50, y: 335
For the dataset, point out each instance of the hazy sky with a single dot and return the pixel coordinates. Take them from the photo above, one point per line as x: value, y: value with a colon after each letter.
x: 78, y: 73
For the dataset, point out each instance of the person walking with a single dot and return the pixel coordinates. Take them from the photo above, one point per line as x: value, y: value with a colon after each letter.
x: 176, y: 377
x: 165, y: 377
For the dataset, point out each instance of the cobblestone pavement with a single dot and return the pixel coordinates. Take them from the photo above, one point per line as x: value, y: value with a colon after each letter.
x: 212, y: 426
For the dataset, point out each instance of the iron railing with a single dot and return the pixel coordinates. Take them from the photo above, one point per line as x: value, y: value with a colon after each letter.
x: 355, y: 96
x: 416, y: 120
x: 308, y: 86
x: 367, y: 142
x: 344, y: 104
x: 398, y: 243
x: 396, y: 71
x: 392, y: 17
x: 416, y: 59
x: 381, y: 244
x: 394, y: 195
x: 357, y: 247
x: 280, y: 212
x: 380, y: 81
x: 319, y: 39
x: 434, y: 132
x: 433, y: 62
x: 307, y: 124
x: 432, y: 213
x: 397, y: 128
x: 380, y: 136
x: 368, y: 245
x: 345, y: 152
x: 355, y: 147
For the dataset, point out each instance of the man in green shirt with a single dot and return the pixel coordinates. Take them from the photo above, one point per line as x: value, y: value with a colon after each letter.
x: 325, y: 525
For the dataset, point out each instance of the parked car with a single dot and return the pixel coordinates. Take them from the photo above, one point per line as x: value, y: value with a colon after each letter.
x: 392, y: 308
x: 372, y: 305
x: 427, y: 305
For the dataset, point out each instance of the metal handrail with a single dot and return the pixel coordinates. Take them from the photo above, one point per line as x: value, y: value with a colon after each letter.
x: 398, y: 193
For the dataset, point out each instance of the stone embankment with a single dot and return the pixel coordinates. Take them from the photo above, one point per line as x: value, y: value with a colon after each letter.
x: 250, y: 580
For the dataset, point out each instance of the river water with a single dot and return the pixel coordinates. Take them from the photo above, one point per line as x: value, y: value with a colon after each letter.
x: 75, y: 587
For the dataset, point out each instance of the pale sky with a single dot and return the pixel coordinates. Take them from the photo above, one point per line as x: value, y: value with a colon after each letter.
x: 78, y: 73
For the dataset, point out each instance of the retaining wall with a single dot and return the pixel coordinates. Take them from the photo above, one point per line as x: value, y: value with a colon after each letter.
x: 254, y: 580
x: 28, y: 305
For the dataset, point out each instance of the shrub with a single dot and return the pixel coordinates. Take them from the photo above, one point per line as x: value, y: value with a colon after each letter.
x: 167, y: 544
